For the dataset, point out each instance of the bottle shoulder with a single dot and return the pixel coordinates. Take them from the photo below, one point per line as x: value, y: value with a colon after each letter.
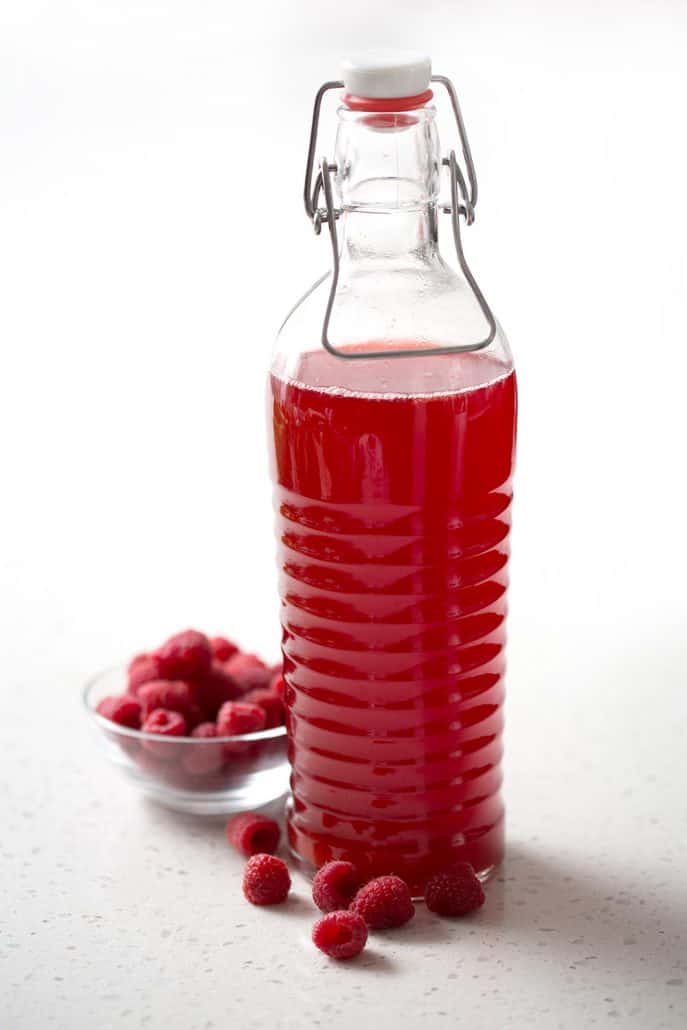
x: 398, y: 310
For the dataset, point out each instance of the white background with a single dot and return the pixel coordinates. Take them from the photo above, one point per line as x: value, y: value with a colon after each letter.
x: 151, y: 240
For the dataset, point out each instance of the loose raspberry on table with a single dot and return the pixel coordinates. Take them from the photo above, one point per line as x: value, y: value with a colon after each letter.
x: 186, y: 655
x: 173, y: 695
x: 335, y: 885
x: 235, y: 718
x: 454, y: 891
x: 142, y: 669
x: 266, y: 880
x: 223, y: 649
x: 248, y: 671
x: 163, y: 723
x: 125, y: 711
x: 340, y: 935
x: 253, y: 834
x: 270, y: 703
x: 204, y: 758
x: 384, y: 902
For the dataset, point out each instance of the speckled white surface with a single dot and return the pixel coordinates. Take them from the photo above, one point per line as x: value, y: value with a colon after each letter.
x: 142, y: 278
x: 119, y: 914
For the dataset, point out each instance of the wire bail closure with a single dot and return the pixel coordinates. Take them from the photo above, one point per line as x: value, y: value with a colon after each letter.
x: 463, y: 199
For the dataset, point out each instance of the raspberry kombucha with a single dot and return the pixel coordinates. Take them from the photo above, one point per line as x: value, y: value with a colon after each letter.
x: 393, y: 515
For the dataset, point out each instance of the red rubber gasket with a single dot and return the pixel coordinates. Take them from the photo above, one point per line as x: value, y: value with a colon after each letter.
x: 373, y: 104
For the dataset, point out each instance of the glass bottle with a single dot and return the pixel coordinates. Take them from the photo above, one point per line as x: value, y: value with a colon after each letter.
x: 392, y: 407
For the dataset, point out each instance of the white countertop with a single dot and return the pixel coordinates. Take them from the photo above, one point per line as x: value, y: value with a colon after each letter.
x: 117, y: 913
x: 152, y: 240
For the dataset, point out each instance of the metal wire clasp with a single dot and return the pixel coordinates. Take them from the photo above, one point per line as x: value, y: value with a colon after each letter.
x: 463, y: 199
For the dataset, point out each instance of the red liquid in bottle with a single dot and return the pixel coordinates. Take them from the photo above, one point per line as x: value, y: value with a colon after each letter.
x: 393, y: 515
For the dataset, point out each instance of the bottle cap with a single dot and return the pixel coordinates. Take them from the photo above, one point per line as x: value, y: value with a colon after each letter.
x: 382, y: 75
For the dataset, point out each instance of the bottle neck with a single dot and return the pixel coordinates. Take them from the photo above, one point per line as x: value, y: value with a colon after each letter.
x: 387, y: 184
x: 404, y: 236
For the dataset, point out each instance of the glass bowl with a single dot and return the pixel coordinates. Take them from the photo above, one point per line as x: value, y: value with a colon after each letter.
x: 210, y: 776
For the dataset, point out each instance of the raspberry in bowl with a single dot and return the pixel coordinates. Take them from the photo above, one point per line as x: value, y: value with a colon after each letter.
x: 159, y: 721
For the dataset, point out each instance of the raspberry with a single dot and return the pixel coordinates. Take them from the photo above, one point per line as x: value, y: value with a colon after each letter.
x: 186, y: 655
x: 234, y: 719
x: 195, y: 716
x: 266, y: 880
x: 174, y: 695
x: 125, y: 711
x: 252, y: 834
x: 335, y: 885
x: 201, y: 759
x: 454, y: 891
x: 340, y: 935
x: 223, y: 649
x: 214, y: 688
x: 204, y: 730
x: 384, y: 902
x: 278, y: 685
x: 142, y: 669
x: 248, y: 671
x: 163, y: 724
x: 270, y: 703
